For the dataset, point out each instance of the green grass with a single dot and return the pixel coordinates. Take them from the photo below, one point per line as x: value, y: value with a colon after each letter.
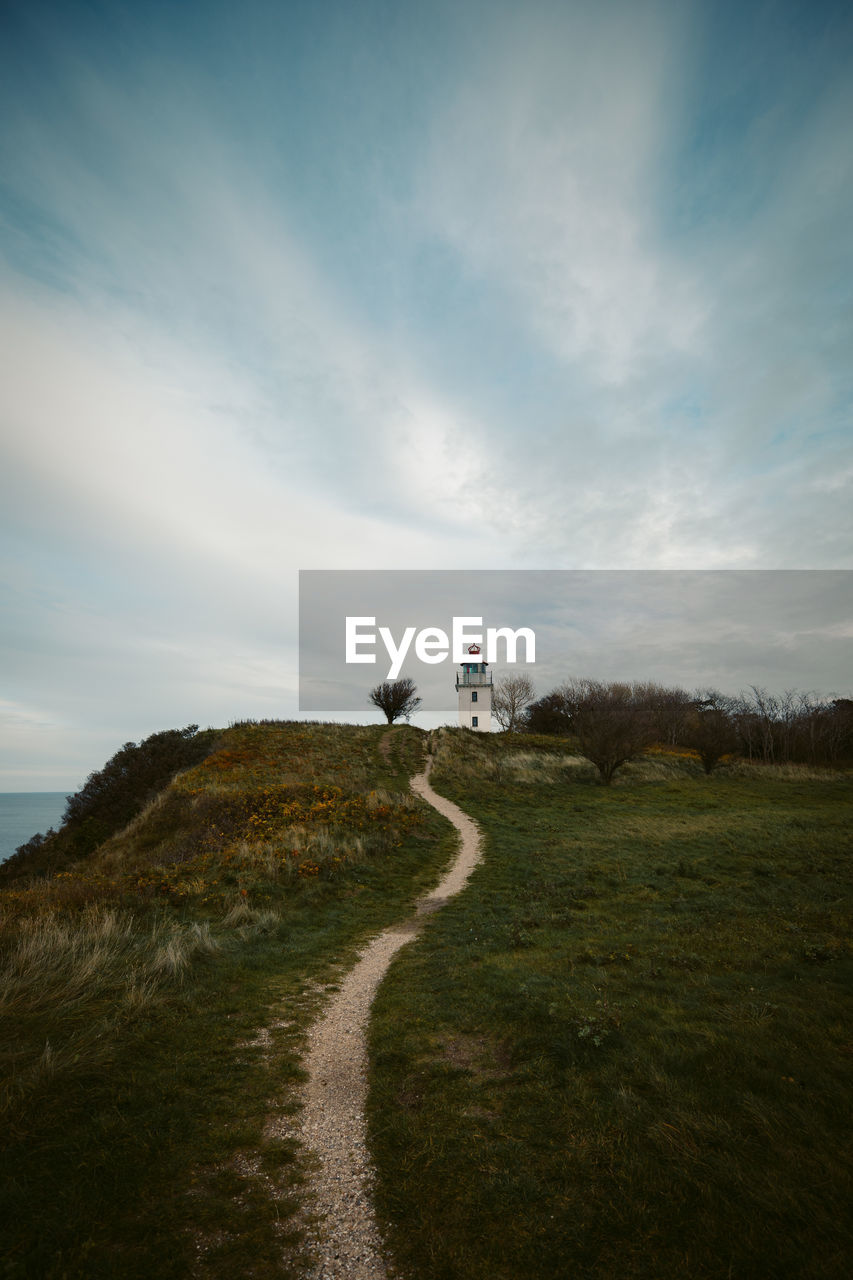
x: 136, y: 1088
x: 623, y: 1050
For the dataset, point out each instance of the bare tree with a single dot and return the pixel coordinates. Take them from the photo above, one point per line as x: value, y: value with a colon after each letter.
x: 798, y: 727
x: 613, y: 722
x: 668, y: 708
x: 838, y: 730
x: 762, y: 711
x: 396, y: 698
x: 512, y: 695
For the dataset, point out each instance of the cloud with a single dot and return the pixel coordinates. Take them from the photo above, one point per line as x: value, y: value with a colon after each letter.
x: 552, y: 287
x: 699, y: 395
x: 191, y: 414
x: 542, y: 170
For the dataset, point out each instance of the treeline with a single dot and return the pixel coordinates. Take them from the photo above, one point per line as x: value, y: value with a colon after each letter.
x: 111, y: 797
x: 614, y: 721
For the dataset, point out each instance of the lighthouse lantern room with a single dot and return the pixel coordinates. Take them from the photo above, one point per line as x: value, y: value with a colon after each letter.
x: 474, y: 687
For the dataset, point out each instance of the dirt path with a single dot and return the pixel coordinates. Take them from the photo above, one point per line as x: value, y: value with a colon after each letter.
x: 333, y: 1118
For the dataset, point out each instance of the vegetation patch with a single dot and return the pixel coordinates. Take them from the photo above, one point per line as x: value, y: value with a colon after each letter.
x: 156, y: 991
x: 622, y: 1051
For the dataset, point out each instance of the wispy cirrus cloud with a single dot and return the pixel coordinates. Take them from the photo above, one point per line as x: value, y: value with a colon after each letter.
x: 542, y: 172
x: 701, y: 395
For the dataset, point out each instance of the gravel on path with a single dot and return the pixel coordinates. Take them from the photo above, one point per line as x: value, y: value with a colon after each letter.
x: 348, y: 1244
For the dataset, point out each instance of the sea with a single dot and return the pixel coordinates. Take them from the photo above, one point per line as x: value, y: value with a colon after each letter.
x: 25, y: 813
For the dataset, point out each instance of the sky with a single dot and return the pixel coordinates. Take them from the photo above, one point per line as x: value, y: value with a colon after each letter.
x: 355, y: 284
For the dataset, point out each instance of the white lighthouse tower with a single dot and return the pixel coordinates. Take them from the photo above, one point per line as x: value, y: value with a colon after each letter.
x: 474, y: 687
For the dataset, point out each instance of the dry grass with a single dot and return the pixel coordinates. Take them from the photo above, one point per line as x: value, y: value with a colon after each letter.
x: 783, y: 772
x: 537, y: 767
x: 274, y: 810
x: 66, y: 983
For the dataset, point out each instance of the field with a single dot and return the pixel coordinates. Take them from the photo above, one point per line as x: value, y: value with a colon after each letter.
x: 621, y: 1052
x: 625, y: 1051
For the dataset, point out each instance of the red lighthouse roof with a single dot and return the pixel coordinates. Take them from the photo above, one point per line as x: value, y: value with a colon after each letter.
x: 473, y: 648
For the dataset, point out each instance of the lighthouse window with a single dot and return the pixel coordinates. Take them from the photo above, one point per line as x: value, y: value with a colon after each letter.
x: 474, y: 695
x: 475, y: 721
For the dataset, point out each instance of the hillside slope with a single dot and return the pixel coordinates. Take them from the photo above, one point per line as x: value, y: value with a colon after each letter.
x: 156, y: 991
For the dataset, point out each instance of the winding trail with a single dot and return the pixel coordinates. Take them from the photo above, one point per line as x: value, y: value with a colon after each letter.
x: 349, y: 1245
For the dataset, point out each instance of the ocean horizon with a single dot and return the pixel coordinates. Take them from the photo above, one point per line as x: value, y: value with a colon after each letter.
x: 24, y: 814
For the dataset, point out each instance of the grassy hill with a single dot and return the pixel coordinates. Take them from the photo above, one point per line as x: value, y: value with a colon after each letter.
x: 621, y: 1052
x: 155, y: 992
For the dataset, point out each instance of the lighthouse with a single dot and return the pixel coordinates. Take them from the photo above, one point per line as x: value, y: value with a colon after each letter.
x: 474, y: 687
